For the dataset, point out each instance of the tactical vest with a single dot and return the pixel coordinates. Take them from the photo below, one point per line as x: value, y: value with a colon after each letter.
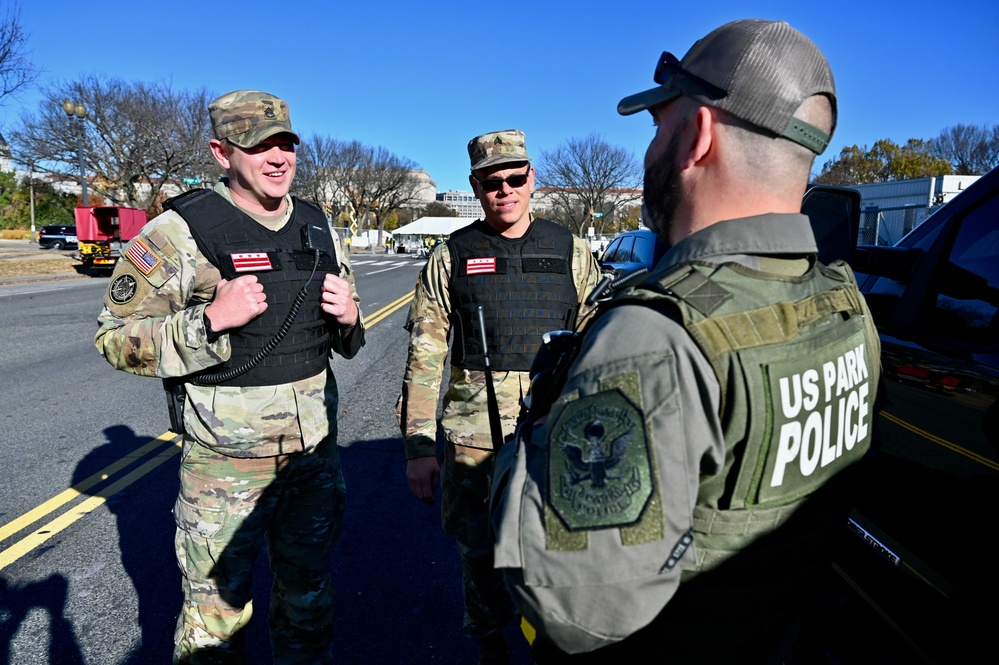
x: 524, y: 285
x: 237, y: 245
x: 797, y: 360
x: 798, y: 363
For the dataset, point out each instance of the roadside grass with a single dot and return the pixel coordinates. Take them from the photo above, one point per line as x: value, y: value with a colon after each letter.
x: 15, y: 234
x: 57, y: 265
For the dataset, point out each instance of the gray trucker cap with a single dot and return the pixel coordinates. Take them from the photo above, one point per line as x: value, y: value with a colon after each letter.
x: 759, y: 71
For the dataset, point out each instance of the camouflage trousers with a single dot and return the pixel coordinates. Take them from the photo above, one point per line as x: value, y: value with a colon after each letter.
x: 227, y: 509
x: 465, y: 481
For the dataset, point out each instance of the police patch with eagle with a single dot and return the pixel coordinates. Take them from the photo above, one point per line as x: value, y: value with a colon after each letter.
x: 599, y: 464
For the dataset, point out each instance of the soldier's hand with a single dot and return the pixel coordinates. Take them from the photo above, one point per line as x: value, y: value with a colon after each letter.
x: 423, y: 475
x: 236, y: 303
x: 338, y: 301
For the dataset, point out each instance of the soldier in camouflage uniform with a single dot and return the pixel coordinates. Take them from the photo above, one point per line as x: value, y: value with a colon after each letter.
x: 195, y: 297
x: 531, y: 276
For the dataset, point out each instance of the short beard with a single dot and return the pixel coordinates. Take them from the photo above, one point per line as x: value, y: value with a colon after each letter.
x: 662, y: 191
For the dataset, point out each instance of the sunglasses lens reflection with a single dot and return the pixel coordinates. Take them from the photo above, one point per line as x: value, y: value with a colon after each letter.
x: 495, y: 184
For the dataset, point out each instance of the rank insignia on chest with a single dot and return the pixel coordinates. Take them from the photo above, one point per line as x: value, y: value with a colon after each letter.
x: 251, y: 262
x: 486, y: 266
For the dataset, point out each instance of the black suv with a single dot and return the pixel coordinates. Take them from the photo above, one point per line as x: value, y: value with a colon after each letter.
x: 57, y: 236
x: 919, y: 581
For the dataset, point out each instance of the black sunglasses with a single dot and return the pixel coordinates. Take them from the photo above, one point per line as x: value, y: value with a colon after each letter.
x: 495, y: 184
x: 668, y: 67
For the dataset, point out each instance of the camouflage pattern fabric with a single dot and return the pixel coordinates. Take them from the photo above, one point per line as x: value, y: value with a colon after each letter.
x: 465, y: 419
x: 247, y: 117
x: 494, y: 148
x: 146, y: 329
x: 465, y: 479
x: 240, y: 440
x: 227, y: 508
x: 468, y: 464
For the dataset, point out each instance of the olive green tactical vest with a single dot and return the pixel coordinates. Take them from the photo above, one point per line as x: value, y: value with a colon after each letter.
x: 798, y: 362
x: 796, y: 357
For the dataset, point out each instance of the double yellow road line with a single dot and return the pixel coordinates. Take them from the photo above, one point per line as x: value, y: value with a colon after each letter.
x: 162, y: 448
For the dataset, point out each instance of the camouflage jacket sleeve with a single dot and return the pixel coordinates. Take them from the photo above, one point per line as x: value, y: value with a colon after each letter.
x: 152, y: 323
x: 349, y: 340
x: 585, y: 274
x: 429, y: 327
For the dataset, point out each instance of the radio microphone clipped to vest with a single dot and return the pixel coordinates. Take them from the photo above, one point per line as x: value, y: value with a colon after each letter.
x: 315, y: 239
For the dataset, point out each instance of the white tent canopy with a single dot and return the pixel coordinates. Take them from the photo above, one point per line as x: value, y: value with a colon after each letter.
x: 411, y: 235
x: 433, y: 226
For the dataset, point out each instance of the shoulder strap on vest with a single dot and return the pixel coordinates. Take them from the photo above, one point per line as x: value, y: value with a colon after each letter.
x: 204, y: 209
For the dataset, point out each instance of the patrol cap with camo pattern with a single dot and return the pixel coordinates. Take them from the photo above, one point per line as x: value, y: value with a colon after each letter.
x: 495, y: 148
x: 759, y: 71
x: 247, y: 117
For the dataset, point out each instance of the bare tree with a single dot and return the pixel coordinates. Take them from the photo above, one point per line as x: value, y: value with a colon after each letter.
x: 16, y: 71
x: 137, y: 138
x: 971, y: 149
x: 588, y: 180
x: 388, y: 182
x: 325, y: 171
x: 348, y: 175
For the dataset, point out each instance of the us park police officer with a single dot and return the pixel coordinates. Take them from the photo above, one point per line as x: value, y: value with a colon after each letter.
x: 678, y: 485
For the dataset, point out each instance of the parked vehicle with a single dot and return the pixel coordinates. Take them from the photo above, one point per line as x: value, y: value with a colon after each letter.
x: 103, y: 230
x: 632, y: 250
x: 57, y: 236
x: 919, y: 581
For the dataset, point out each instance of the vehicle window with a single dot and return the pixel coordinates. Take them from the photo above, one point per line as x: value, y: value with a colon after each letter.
x: 964, y: 292
x: 621, y: 253
x: 642, y: 250
x: 611, y: 250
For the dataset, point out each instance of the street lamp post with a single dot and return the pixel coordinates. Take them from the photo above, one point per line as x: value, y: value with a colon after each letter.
x: 79, y: 111
x: 31, y: 194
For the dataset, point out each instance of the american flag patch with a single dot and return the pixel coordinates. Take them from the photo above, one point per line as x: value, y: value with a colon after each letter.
x: 480, y: 266
x: 251, y: 261
x: 143, y: 258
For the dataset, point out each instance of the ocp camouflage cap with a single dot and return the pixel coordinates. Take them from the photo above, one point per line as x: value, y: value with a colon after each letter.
x: 247, y: 117
x: 495, y: 148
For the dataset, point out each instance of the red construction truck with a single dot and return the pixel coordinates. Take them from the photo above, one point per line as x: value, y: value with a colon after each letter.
x: 102, y: 230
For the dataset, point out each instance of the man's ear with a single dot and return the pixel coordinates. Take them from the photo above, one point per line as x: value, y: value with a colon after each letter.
x: 701, y: 140
x: 475, y: 186
x: 219, y: 153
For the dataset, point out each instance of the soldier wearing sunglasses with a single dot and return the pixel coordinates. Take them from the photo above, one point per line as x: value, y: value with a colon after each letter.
x: 530, y: 276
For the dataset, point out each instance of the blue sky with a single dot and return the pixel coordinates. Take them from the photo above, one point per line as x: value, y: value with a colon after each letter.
x: 423, y: 78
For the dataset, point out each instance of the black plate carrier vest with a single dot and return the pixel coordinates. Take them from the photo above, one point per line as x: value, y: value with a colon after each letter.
x: 221, y: 231
x: 524, y: 285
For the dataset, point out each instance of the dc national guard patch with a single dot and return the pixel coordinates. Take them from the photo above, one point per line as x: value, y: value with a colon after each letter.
x: 251, y: 261
x: 599, y: 465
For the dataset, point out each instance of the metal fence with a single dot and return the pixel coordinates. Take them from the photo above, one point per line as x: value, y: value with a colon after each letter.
x: 886, y: 226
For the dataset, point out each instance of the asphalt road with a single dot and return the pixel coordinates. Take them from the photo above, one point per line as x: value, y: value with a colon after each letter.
x: 87, y: 571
